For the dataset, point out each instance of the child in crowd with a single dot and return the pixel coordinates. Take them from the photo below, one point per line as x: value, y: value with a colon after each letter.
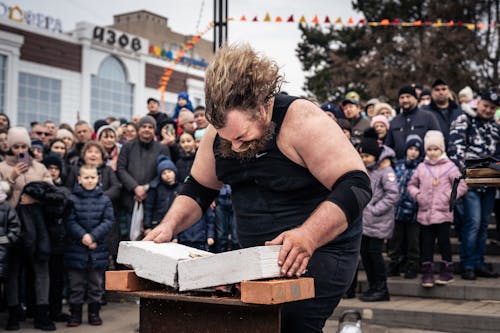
x: 182, y: 102
x: 381, y: 125
x: 162, y: 192
x: 187, y: 152
x: 201, y: 234
x: 430, y: 186
x: 37, y: 149
x: 378, y: 215
x: 86, y: 252
x: 406, y: 237
x: 225, y: 224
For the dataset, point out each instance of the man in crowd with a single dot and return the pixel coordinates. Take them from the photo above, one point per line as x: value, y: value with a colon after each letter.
x: 83, y: 133
x: 160, y: 117
x: 411, y: 120
x: 40, y: 131
x: 352, y: 112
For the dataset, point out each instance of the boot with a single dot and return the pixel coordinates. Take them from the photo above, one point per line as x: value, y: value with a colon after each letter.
x: 428, y: 274
x: 94, y: 318
x: 446, y: 273
x: 393, y: 268
x: 377, y: 294
x: 76, y: 315
x: 13, y: 320
x: 42, y: 320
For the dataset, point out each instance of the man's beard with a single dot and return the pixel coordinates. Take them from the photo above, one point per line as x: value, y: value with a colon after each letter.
x: 249, y: 149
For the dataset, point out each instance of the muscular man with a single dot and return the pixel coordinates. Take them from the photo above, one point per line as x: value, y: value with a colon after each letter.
x: 296, y: 180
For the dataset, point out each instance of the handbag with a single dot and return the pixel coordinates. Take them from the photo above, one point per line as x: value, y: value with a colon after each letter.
x: 136, y: 224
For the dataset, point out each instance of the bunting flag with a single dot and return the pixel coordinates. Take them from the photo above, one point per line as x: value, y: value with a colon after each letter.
x: 167, y: 73
x: 350, y: 22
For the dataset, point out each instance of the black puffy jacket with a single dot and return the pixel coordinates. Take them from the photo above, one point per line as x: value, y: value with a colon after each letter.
x: 10, y: 229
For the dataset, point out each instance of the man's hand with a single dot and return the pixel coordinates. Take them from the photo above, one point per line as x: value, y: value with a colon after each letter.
x: 87, y: 240
x: 160, y: 234
x: 296, y: 250
x: 140, y: 193
x: 92, y: 246
x: 210, y: 241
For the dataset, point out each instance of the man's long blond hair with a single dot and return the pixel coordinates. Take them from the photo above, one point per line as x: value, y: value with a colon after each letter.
x: 238, y: 78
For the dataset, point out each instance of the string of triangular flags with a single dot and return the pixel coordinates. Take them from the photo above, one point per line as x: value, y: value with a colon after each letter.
x: 362, y: 22
x: 167, y: 73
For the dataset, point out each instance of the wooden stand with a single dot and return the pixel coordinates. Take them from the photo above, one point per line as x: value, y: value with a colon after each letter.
x: 163, y: 311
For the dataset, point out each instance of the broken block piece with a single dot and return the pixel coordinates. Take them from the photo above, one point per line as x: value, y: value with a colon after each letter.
x: 252, y: 263
x: 156, y: 262
x: 277, y: 291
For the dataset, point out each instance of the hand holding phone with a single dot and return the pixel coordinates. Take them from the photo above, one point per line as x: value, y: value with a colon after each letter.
x: 23, y: 158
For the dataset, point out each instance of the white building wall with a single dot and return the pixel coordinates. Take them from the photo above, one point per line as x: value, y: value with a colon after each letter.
x: 10, y: 45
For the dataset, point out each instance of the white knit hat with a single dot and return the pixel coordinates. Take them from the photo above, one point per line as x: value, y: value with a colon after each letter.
x: 434, y: 138
x: 64, y: 133
x: 467, y: 92
x: 18, y: 135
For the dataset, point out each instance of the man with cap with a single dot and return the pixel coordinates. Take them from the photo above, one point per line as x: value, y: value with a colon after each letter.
x: 160, y: 117
x: 332, y: 111
x: 476, y: 135
x: 411, y: 120
x: 352, y: 112
x: 443, y: 107
x: 136, y: 165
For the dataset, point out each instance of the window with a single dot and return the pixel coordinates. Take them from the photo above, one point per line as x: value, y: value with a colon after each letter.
x: 39, y: 99
x: 111, y: 94
x: 3, y: 64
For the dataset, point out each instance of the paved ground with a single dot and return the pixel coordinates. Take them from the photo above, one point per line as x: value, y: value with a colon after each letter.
x: 124, y: 318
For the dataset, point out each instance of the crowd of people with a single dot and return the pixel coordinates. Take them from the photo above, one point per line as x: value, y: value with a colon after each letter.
x: 68, y: 195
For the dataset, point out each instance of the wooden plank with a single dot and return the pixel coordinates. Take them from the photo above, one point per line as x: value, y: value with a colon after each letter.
x: 475, y: 182
x: 482, y: 173
x: 277, y: 291
x: 156, y: 262
x: 126, y: 281
x: 254, y: 263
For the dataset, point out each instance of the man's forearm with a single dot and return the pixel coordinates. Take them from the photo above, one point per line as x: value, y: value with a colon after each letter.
x: 183, y: 213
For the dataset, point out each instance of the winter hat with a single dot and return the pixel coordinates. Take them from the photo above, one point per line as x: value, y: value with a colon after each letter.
x: 103, y: 128
x: 439, y: 82
x: 372, y: 101
x: 337, y: 112
x: 37, y: 144
x: 64, y: 133
x: 183, y: 95
x: 352, y: 95
x: 369, y: 143
x: 185, y: 116
x: 380, y: 119
x: 434, y: 138
x: 407, y: 89
x: 163, y: 163
x: 53, y: 159
x: 414, y: 140
x: 380, y: 106
x: 467, y: 93
x: 18, y: 135
x: 425, y: 92
x: 147, y: 120
x: 98, y: 124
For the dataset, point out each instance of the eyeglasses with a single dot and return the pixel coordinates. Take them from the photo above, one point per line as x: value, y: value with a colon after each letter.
x: 19, y: 146
x: 42, y: 133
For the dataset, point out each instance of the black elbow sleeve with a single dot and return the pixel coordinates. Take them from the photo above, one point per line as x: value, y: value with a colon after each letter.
x: 203, y: 195
x: 351, y: 193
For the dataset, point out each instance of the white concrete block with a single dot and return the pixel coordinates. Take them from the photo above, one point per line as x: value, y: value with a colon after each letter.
x: 156, y: 262
x: 229, y: 267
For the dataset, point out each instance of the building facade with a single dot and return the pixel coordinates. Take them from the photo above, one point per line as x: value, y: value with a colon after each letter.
x: 93, y: 71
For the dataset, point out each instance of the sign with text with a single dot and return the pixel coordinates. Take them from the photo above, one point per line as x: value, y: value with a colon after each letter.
x: 39, y: 20
x: 116, y: 39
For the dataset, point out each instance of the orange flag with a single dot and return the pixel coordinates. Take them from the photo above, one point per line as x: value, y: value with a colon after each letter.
x: 279, y: 19
x: 315, y: 20
x: 243, y: 18
x: 350, y: 21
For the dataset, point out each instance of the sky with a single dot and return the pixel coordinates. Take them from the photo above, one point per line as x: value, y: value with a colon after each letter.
x: 278, y: 41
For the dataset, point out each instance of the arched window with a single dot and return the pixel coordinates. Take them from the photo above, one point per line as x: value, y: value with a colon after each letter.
x: 111, y: 93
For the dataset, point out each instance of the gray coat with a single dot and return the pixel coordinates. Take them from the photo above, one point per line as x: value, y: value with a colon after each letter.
x: 378, y: 215
x: 137, y: 166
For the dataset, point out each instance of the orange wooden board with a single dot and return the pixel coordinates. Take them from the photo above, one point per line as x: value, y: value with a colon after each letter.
x: 126, y: 281
x: 277, y: 291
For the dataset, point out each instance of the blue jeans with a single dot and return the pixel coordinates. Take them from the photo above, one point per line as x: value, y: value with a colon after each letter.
x: 225, y: 225
x: 478, y: 206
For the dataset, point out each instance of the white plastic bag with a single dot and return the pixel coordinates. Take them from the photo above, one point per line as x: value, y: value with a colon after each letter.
x: 136, y: 224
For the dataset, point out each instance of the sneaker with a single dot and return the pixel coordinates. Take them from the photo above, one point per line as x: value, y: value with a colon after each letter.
x: 468, y: 274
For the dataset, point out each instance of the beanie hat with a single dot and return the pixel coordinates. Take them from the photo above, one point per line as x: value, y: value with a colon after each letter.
x: 380, y: 106
x: 53, y: 159
x: 414, y: 140
x: 467, y: 92
x: 438, y: 82
x: 151, y: 99
x: 425, y: 92
x: 64, y: 133
x: 98, y: 124
x: 163, y: 163
x: 185, y: 116
x: 147, y: 120
x: 103, y: 128
x: 407, y: 89
x: 369, y: 144
x: 18, y: 135
x: 372, y: 101
x: 183, y: 95
x: 434, y: 138
x: 380, y: 119
x: 37, y: 144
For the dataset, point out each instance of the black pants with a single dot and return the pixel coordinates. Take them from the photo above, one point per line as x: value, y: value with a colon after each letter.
x: 373, y: 261
x: 332, y: 269
x: 428, y: 235
x: 56, y: 272
x: 405, y: 242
